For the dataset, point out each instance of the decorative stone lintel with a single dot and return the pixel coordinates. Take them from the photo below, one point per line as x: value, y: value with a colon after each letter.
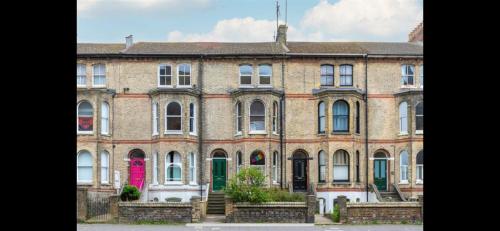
x: 338, y: 91
x: 253, y: 90
x: 187, y: 91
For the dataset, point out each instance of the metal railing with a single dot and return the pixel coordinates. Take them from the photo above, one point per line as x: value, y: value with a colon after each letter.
x: 400, y: 194
x: 374, y: 188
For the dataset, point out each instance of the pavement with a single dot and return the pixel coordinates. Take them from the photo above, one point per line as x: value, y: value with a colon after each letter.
x: 246, y: 227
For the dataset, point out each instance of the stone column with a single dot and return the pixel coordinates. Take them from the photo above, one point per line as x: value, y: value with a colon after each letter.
x: 228, y: 207
x: 311, y: 208
x: 113, y: 203
x: 195, y: 209
x: 342, y: 202
x: 81, y: 204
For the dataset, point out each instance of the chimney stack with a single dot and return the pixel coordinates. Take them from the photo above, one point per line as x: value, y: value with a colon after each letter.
x: 129, y: 40
x: 281, y: 38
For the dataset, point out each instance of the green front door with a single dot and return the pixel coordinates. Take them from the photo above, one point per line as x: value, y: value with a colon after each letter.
x: 218, y: 174
x: 380, y: 174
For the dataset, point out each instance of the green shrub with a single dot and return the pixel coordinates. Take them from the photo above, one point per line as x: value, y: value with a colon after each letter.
x: 279, y: 195
x: 336, y: 213
x: 247, y: 185
x: 130, y: 193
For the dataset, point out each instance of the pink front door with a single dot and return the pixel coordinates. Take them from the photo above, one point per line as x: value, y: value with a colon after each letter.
x: 137, y: 172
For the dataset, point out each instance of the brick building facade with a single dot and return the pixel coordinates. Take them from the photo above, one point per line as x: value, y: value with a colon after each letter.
x: 326, y: 116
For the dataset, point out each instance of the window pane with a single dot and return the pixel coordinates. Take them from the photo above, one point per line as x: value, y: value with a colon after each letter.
x: 321, y: 109
x: 246, y: 80
x: 265, y: 80
x: 404, y: 158
x: 245, y: 70
x: 257, y: 158
x: 264, y: 70
x: 340, y: 172
x: 257, y: 109
x: 174, y: 109
x: 257, y: 123
x: 174, y: 123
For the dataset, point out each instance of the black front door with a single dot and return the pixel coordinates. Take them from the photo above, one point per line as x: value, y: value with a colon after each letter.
x: 299, y: 175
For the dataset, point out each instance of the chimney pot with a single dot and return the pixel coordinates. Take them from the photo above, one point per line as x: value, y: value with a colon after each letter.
x: 129, y: 40
x: 281, y: 37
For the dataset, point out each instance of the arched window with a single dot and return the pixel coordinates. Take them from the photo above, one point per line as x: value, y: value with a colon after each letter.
x: 407, y: 74
x: 403, y: 118
x: 192, y: 168
x: 326, y: 75
x: 321, y: 117
x: 104, y: 167
x: 81, y: 75
x: 173, y: 167
x: 357, y: 166
x: 104, y: 118
x: 322, y: 166
x: 341, y: 166
x: 155, y: 168
x: 345, y: 75
x: 258, y: 160
x: 265, y: 72
x: 99, y: 79
x: 275, y: 117
x: 420, y: 167
x: 156, y: 119
x: 84, y: 166
x: 275, y: 167
x: 245, y: 74
x: 239, y: 118
x: 357, y: 117
x: 85, y: 117
x: 340, y: 116
x: 403, y: 167
x: 257, y: 117
x: 239, y: 162
x: 419, y: 117
x: 192, y: 118
x: 184, y: 74
x: 174, y: 118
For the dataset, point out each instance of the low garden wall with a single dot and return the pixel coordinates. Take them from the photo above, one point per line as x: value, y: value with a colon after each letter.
x: 271, y: 212
x: 379, y: 212
x: 165, y: 212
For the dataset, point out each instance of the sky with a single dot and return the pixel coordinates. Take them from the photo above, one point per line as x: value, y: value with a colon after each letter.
x: 110, y: 21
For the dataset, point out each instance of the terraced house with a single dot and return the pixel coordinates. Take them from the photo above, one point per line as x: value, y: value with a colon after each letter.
x: 180, y: 119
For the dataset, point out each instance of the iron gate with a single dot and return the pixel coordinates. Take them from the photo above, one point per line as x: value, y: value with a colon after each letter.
x: 98, y: 206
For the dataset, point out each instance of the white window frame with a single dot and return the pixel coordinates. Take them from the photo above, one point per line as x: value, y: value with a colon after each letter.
x: 239, y: 74
x: 168, y: 164
x: 321, y: 74
x: 159, y: 76
x: 270, y: 76
x: 403, y: 119
x: 166, y: 119
x: 192, y: 168
x: 80, y: 75
x: 250, y: 119
x: 190, y: 74
x: 239, y: 156
x: 421, y: 79
x: 275, y: 118
x: 94, y: 75
x: 348, y: 163
x: 403, y: 168
x: 193, y: 119
x: 77, y: 121
x: 105, y: 169
x: 320, y: 155
x: 105, y: 118
x: 345, y: 76
x: 78, y: 168
x: 263, y: 167
x: 416, y: 116
x: 321, y: 118
x: 155, y: 119
x: 239, y: 116
x: 405, y: 75
x: 274, y: 164
x: 155, y: 169
x: 419, y: 178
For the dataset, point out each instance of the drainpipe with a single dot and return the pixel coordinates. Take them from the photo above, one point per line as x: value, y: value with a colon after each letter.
x: 200, y: 127
x: 112, y: 174
x: 282, y: 105
x: 366, y: 124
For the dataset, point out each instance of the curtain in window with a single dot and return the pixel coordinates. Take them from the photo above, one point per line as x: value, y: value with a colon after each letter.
x: 326, y: 75
x: 340, y: 166
x: 403, y: 166
x: 84, y: 167
x: 345, y: 75
x: 173, y: 117
x: 85, y: 117
x: 155, y: 118
x: 155, y: 168
x: 403, y: 121
x: 407, y: 73
x: 322, y: 117
x: 192, y: 170
x: 340, y: 116
x: 104, y: 167
x: 104, y: 118
x: 322, y: 166
x: 174, y: 167
x: 257, y: 116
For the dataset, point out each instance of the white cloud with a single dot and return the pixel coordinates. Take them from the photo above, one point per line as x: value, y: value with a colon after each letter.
x: 362, y: 19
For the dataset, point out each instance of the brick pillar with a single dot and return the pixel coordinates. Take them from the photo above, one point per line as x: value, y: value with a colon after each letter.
x: 342, y: 202
x: 311, y: 208
x: 421, y: 202
x: 228, y: 208
x: 195, y: 209
x: 81, y: 204
x: 113, y: 204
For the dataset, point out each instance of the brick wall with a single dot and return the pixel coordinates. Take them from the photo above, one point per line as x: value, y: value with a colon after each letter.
x: 175, y: 212
x: 392, y: 212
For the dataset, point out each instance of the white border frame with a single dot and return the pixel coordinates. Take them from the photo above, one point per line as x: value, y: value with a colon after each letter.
x: 157, y: 130
x: 401, y: 181
x: 190, y: 76
x: 85, y: 182
x: 270, y: 85
x: 173, y: 132
x: 158, y: 75
x: 195, y: 128
x: 401, y: 132
x: 249, y: 118
x: 77, y: 122
x: 105, y: 76
x: 85, y: 74
x: 166, y: 182
x: 108, y: 172
x: 239, y: 76
x: 109, y: 119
